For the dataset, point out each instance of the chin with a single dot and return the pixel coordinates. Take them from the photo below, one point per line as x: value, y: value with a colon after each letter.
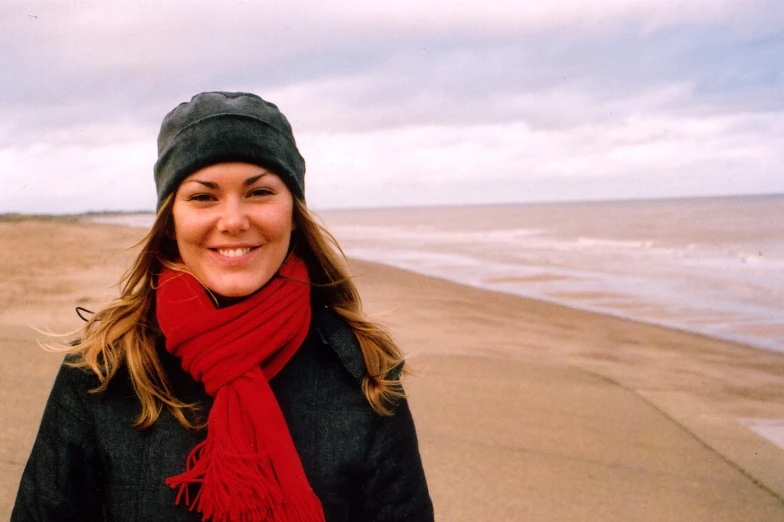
x: 233, y: 290
x: 234, y: 293
x: 236, y: 286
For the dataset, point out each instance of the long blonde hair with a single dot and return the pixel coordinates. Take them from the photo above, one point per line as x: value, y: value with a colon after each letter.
x: 124, y: 332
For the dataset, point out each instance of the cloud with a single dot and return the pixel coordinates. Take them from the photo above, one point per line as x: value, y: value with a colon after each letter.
x: 725, y: 154
x: 403, y: 101
x: 76, y: 178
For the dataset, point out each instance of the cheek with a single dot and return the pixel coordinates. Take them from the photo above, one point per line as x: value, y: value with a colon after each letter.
x: 187, y: 231
x: 184, y: 235
x: 279, y: 225
x: 283, y: 229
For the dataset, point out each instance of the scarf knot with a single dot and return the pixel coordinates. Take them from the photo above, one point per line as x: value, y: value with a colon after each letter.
x: 247, y: 469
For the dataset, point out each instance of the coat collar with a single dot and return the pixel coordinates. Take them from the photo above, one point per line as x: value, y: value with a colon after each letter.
x: 335, y: 333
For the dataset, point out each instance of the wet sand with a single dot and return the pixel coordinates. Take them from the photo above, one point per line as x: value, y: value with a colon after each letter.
x: 525, y: 410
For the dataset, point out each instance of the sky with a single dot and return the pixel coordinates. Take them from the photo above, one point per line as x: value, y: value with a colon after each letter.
x: 412, y: 102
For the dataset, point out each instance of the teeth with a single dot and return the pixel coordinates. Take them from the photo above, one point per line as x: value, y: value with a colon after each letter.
x: 233, y: 252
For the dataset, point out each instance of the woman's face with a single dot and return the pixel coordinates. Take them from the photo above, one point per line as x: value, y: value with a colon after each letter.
x: 233, y: 224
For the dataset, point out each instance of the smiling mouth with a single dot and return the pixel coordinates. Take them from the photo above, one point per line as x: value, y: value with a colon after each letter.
x: 233, y: 252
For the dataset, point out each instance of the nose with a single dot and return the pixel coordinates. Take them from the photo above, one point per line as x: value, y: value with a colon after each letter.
x: 233, y: 217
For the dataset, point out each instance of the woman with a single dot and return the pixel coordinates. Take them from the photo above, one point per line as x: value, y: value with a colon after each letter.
x: 235, y: 379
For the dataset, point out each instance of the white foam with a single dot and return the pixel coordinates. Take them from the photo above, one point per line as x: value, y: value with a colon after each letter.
x: 129, y: 220
x: 770, y: 429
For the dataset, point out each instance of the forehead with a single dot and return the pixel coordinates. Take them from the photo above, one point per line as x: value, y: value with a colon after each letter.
x: 232, y: 173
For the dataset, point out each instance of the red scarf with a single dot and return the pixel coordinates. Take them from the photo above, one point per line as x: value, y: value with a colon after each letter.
x: 248, y: 467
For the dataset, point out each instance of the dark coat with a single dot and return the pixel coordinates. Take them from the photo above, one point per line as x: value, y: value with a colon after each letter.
x: 88, y: 463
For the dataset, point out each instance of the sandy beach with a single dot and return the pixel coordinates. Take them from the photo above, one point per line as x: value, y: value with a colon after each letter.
x: 525, y: 410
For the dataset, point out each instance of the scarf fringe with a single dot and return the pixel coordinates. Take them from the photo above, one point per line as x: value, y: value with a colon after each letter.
x: 236, y: 486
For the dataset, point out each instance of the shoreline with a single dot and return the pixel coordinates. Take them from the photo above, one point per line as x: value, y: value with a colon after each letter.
x: 584, y: 308
x: 525, y: 409
x: 142, y: 220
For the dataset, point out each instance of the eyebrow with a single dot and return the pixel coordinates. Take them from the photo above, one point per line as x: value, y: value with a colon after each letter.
x: 250, y: 181
x: 214, y: 186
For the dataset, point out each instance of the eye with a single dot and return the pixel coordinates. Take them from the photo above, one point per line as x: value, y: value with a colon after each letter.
x: 200, y: 197
x: 261, y: 191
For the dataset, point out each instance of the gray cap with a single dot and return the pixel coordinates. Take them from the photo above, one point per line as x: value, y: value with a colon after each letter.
x: 217, y: 127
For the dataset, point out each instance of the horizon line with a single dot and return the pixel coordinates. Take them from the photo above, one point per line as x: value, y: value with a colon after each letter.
x: 620, y: 199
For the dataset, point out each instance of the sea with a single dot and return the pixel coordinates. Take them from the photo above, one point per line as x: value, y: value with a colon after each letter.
x: 714, y: 266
